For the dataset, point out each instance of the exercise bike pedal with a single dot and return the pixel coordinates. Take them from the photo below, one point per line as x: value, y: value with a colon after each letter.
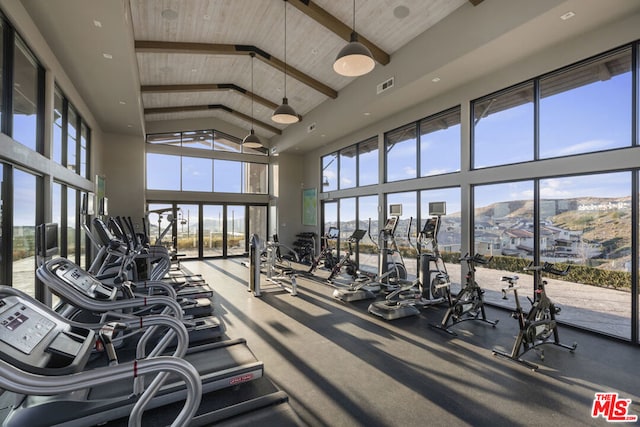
x: 557, y: 309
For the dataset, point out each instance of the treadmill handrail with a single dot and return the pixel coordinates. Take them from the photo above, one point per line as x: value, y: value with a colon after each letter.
x: 77, y: 299
x: 22, y: 382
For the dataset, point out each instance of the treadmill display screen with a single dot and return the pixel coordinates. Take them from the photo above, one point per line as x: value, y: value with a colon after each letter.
x: 13, y: 322
x: 23, y: 328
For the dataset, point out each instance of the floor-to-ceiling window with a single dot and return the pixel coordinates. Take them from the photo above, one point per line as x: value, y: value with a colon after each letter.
x: 503, y: 232
x: 25, y: 171
x: 24, y: 223
x: 160, y: 219
x: 187, y: 224
x: 585, y: 223
x: 212, y: 224
x: 72, y: 225
x: 329, y: 217
x: 56, y: 212
x: 503, y: 127
x: 580, y: 221
x: 401, y: 153
x: 368, y: 162
x: 449, y: 237
x: 368, y: 220
x: 588, y: 107
x: 206, y: 230
x: 405, y: 234
x: 236, y: 230
x: 216, y: 168
x: 440, y: 143
x: 26, y: 92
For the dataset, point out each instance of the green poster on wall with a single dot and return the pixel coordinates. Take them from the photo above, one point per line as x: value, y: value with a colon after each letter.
x: 309, y: 207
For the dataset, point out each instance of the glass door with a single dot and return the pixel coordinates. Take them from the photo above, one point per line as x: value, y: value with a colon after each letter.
x: 236, y: 232
x: 212, y: 226
x: 187, y: 224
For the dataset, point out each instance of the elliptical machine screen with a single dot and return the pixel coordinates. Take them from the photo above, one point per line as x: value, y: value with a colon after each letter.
x: 430, y: 229
x: 82, y: 281
x: 390, y: 225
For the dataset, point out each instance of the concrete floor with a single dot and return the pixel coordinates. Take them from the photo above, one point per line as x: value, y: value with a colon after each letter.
x: 344, y: 367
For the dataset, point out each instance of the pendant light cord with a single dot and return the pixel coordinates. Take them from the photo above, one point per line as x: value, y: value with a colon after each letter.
x: 354, y: 16
x: 252, y: 56
x: 285, y: 48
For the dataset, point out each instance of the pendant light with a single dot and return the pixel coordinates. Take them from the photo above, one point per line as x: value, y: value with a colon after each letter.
x: 285, y: 114
x: 252, y: 140
x: 355, y: 59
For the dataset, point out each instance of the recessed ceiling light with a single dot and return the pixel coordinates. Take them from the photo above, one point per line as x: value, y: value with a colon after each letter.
x: 206, y: 17
x: 97, y: 23
x: 122, y: 103
x: 129, y: 126
x: 366, y: 113
x: 107, y: 55
x: 435, y: 79
x: 401, y: 12
x: 567, y: 15
x: 314, y: 51
x: 193, y: 70
x: 169, y: 14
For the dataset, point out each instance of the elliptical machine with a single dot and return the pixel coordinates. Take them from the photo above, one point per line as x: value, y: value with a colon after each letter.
x: 539, y: 325
x: 468, y: 304
x: 366, y: 285
x: 427, y: 289
x: 346, y: 262
x: 326, y: 251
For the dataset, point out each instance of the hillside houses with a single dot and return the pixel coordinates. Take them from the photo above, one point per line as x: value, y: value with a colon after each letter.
x: 516, y: 238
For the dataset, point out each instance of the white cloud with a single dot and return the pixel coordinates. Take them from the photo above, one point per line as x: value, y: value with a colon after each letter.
x: 581, y: 147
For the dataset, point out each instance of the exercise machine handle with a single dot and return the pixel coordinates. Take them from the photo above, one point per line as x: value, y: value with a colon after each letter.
x: 550, y: 268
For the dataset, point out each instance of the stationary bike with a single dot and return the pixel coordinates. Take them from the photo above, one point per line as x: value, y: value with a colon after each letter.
x: 326, y: 251
x: 346, y: 262
x: 539, y: 325
x: 468, y: 304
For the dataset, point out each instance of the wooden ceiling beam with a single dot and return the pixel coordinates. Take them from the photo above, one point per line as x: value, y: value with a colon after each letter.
x: 188, y: 108
x: 233, y: 49
x: 208, y: 88
x: 336, y: 26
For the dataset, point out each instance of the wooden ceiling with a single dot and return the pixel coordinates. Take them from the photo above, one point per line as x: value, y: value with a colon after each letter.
x: 194, y: 57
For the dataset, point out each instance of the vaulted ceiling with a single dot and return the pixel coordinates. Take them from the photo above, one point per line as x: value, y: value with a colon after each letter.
x: 136, y: 62
x: 195, y: 56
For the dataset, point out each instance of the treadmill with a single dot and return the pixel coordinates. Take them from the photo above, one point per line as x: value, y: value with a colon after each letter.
x: 62, y: 275
x: 220, y: 364
x: 44, y: 381
x: 113, y: 252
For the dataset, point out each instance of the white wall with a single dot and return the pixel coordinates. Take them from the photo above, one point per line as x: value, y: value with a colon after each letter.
x: 123, y: 159
x: 287, y: 197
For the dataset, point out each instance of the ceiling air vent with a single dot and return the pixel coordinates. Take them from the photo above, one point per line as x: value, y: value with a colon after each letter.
x: 387, y: 84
